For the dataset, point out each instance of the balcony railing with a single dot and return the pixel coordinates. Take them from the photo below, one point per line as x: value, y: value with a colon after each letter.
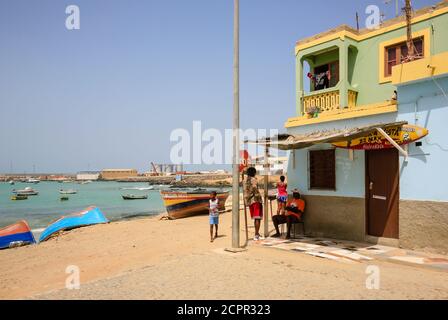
x: 329, y: 100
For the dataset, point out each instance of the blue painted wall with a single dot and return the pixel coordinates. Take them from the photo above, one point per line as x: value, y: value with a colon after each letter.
x: 425, y: 175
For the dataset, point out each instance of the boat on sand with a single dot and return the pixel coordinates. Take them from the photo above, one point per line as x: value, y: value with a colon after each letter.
x: 87, y: 217
x: 183, y: 204
x: 16, y: 235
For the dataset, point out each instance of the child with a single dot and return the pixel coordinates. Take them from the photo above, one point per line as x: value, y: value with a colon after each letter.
x: 282, y: 195
x: 253, y: 200
x: 214, y: 214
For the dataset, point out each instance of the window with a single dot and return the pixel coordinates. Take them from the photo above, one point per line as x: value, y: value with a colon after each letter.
x: 322, y: 166
x: 398, y: 53
x: 326, y: 76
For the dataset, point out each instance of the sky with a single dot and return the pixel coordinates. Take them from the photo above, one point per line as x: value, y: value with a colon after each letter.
x: 109, y: 94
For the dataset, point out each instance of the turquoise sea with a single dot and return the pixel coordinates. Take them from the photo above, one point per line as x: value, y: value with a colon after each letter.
x: 40, y: 210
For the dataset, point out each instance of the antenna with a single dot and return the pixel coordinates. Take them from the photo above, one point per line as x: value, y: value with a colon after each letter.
x: 357, y: 21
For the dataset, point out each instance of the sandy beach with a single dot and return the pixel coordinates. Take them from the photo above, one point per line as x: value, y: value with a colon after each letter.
x: 160, y: 259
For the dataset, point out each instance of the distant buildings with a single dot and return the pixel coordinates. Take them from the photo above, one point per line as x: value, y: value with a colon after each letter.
x: 113, y: 174
x: 87, y: 175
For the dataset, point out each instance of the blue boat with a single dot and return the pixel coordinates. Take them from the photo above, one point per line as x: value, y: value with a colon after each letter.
x: 16, y: 235
x: 89, y: 216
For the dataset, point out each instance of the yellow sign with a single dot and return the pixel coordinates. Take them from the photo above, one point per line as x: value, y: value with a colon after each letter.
x: 400, y: 134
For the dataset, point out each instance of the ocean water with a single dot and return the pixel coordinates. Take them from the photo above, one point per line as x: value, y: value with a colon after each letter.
x: 42, y: 209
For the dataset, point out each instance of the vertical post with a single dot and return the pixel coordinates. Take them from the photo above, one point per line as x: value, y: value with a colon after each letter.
x: 343, y: 74
x: 236, y: 127
x: 299, y: 84
x: 266, y: 180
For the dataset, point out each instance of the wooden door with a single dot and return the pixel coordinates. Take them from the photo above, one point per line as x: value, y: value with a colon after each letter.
x: 382, y: 192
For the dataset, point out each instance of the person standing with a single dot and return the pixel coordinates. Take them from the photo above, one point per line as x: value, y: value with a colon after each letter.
x: 253, y: 199
x: 214, y: 215
x: 282, y: 195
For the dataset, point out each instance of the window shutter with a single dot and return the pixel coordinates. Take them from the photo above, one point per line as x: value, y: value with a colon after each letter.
x: 322, y: 169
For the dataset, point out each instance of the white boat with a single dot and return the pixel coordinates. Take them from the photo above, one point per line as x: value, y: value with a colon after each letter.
x: 26, y: 192
x: 11, y: 182
x: 32, y: 180
x: 139, y: 188
x: 69, y: 191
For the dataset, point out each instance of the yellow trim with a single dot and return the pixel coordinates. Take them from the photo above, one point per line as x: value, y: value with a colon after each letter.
x: 342, y: 114
x: 420, y: 69
x: 373, y: 33
x: 425, y: 33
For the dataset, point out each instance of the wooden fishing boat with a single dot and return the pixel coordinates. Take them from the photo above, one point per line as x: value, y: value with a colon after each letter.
x: 183, y: 204
x: 19, y: 197
x: 89, y: 216
x: 134, y: 197
x: 16, y: 235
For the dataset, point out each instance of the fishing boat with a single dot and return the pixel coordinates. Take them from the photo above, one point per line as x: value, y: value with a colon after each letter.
x: 19, y: 197
x: 134, y: 197
x: 69, y: 191
x: 183, y: 204
x: 16, y: 235
x: 89, y: 216
x: 28, y: 191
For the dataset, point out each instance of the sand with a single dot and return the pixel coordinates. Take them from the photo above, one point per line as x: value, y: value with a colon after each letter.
x: 159, y: 259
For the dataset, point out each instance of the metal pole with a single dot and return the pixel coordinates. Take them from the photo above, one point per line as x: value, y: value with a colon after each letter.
x: 236, y: 127
x: 266, y: 180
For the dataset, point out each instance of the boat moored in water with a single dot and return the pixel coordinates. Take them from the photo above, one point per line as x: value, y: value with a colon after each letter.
x: 19, y: 197
x: 16, y: 235
x: 134, y: 197
x: 69, y: 191
x: 32, y: 180
x: 89, y: 216
x: 183, y: 204
x: 28, y: 191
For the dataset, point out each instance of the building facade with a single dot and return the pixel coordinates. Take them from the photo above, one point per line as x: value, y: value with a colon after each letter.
x: 375, y: 191
x: 87, y: 175
x: 114, y: 174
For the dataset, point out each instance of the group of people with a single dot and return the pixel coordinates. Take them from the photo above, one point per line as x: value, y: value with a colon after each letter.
x: 289, y: 211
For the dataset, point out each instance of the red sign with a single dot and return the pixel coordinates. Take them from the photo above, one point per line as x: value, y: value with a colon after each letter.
x: 244, y: 160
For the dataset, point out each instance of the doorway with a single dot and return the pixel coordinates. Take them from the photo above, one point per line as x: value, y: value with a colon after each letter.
x: 382, y: 193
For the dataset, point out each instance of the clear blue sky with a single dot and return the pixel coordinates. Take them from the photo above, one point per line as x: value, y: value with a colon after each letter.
x: 110, y: 94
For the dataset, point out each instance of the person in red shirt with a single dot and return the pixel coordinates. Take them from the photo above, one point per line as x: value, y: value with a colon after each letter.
x: 294, y: 211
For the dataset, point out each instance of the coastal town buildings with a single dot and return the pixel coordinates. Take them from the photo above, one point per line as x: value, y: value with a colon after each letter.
x: 113, y: 174
x: 87, y: 175
x: 364, y: 89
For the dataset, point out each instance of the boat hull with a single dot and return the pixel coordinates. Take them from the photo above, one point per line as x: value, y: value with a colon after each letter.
x: 18, y: 233
x: 131, y: 197
x: 90, y: 216
x: 180, y: 205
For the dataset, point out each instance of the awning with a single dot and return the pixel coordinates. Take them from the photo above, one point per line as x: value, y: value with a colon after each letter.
x: 291, y: 142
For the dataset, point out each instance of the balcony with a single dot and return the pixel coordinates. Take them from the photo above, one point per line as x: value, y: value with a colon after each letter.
x: 326, y: 101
